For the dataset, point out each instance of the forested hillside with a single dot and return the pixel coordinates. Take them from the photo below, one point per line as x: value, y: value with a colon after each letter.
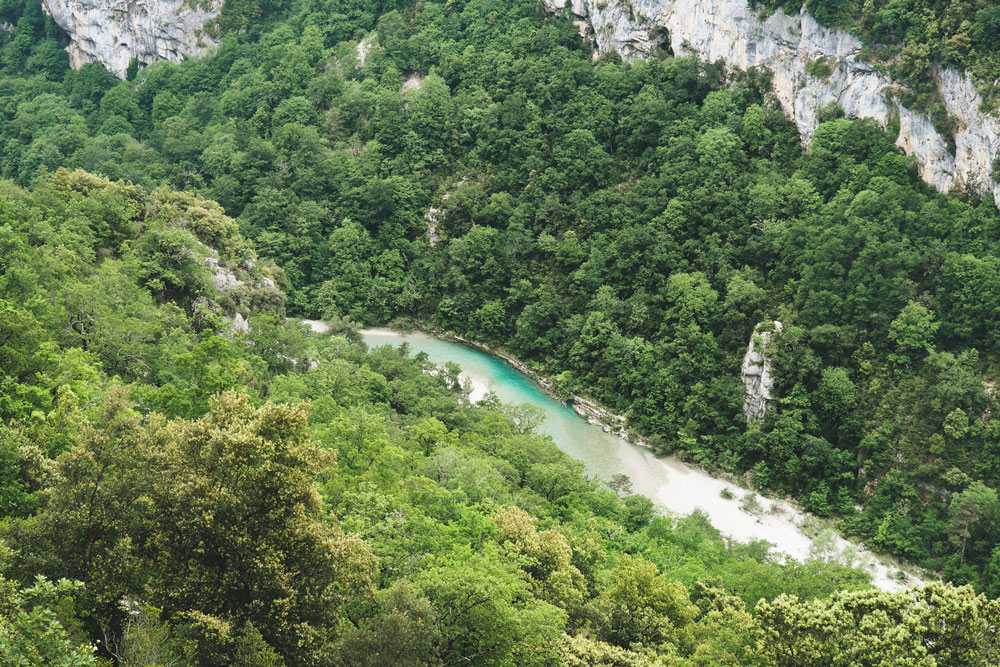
x: 329, y: 506
x: 622, y: 227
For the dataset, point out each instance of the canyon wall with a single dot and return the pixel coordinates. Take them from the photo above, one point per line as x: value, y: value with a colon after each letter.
x: 113, y: 32
x: 733, y: 32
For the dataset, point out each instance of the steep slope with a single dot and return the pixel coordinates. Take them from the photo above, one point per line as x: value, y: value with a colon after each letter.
x: 114, y: 32
x: 158, y: 471
x: 813, y: 67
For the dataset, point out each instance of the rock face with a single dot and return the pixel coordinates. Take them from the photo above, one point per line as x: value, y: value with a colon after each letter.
x: 113, y: 32
x: 364, y: 48
x: 756, y: 371
x: 223, y: 278
x: 431, y: 219
x: 238, y: 288
x: 729, y: 30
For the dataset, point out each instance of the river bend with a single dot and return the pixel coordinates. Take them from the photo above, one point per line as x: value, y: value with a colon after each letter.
x: 671, y: 484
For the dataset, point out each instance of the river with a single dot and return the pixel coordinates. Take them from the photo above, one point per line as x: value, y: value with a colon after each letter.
x: 668, y: 482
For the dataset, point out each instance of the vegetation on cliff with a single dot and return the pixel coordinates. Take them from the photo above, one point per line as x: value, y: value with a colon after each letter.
x: 620, y: 226
x: 912, y: 37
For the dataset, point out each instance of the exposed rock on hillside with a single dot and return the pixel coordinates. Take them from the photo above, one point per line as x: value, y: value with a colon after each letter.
x: 113, y: 32
x: 756, y: 371
x: 729, y: 30
x: 367, y: 43
x: 240, y: 288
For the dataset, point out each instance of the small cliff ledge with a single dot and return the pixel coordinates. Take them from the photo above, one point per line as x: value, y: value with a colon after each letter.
x: 113, y: 32
x: 731, y: 31
x: 756, y: 371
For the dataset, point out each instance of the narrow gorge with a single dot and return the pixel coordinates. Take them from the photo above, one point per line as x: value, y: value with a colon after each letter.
x: 710, y: 351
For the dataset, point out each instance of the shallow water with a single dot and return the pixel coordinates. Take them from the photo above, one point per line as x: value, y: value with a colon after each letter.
x: 668, y: 482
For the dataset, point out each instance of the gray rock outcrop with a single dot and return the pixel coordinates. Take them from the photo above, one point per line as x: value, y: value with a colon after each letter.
x: 731, y: 31
x: 756, y: 371
x: 113, y: 32
x: 239, y: 287
x: 241, y: 324
x: 365, y: 46
x: 223, y: 277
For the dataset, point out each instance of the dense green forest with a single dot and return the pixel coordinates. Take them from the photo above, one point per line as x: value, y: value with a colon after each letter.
x: 179, y: 492
x: 471, y: 166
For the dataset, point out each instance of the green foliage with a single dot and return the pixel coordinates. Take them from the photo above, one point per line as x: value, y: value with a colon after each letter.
x: 367, y: 515
x: 620, y: 226
x: 38, y: 626
x: 639, y: 606
x: 819, y: 68
x: 938, y: 625
x: 912, y: 332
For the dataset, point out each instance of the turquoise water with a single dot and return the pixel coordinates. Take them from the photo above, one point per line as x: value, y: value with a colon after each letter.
x: 669, y: 483
x: 603, y: 454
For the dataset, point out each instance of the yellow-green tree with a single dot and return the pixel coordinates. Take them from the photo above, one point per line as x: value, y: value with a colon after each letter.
x: 639, y: 606
x: 936, y: 625
x: 215, y: 521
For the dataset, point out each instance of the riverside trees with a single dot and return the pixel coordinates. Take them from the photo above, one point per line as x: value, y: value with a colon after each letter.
x: 622, y: 226
x: 358, y: 512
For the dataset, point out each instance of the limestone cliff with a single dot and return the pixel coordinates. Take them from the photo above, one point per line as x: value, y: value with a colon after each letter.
x: 756, y: 371
x: 113, y: 32
x: 729, y: 30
